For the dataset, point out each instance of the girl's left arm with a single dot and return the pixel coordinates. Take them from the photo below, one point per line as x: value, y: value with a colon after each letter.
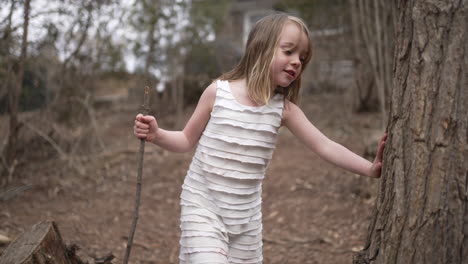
x: 296, y: 121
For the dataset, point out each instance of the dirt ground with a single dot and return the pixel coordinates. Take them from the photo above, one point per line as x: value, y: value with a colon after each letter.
x: 313, y: 212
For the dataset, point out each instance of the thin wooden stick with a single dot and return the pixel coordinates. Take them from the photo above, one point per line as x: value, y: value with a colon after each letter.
x: 139, y: 180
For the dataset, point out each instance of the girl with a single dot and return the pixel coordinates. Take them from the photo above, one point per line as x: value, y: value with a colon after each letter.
x: 234, y: 126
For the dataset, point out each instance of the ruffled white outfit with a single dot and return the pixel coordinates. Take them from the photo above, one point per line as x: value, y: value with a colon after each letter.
x: 221, y: 218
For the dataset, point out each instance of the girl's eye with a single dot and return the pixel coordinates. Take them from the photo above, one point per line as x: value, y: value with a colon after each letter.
x: 302, y: 60
x: 288, y: 52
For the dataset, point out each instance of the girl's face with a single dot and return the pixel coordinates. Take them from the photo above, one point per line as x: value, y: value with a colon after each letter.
x: 290, y: 53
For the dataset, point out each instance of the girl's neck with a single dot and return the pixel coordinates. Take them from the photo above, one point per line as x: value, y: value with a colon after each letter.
x: 240, y: 92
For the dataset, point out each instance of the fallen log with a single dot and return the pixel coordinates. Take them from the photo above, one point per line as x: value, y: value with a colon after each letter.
x: 41, y: 244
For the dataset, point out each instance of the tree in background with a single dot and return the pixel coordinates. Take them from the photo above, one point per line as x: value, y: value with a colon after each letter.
x: 6, y: 43
x: 317, y: 13
x: 81, y: 44
x: 14, y: 91
x: 62, y: 62
x: 77, y: 44
x: 372, y: 31
x: 368, y: 25
x: 144, y: 20
x: 174, y: 31
x: 201, y: 64
x: 421, y: 215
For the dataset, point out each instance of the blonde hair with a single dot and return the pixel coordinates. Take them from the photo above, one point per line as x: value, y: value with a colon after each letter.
x: 255, y: 64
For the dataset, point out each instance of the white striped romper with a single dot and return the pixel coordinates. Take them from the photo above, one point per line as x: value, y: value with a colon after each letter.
x: 221, y: 218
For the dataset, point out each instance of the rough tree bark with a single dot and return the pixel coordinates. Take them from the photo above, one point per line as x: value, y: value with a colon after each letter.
x: 421, y: 213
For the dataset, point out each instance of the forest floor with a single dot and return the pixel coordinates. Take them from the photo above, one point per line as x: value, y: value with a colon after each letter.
x: 313, y: 212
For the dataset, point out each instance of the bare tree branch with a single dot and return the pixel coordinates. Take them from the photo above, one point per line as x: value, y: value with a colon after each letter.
x: 83, y: 37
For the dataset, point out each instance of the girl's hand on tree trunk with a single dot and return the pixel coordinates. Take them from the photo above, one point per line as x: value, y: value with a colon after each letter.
x: 145, y: 127
x: 376, y: 167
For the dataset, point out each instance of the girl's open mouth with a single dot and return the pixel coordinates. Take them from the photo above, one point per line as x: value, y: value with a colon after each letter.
x: 291, y: 73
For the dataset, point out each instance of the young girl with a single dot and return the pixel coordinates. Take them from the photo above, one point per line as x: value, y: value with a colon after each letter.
x: 234, y: 127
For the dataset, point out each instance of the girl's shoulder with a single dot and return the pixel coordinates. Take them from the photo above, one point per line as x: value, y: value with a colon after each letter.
x: 209, y: 95
x: 290, y: 110
x: 211, y: 89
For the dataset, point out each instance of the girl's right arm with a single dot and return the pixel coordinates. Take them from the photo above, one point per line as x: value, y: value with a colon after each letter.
x: 296, y: 121
x: 146, y: 127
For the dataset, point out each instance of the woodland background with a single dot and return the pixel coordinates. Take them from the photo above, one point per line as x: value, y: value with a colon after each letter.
x: 72, y: 75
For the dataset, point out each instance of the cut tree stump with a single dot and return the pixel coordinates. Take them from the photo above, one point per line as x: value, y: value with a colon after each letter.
x: 40, y: 244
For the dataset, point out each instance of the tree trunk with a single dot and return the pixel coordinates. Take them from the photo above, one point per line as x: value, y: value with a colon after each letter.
x: 421, y: 213
x: 6, y: 42
x: 14, y: 94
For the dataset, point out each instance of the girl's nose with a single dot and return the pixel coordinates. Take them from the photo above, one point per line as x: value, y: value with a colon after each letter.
x: 296, y: 61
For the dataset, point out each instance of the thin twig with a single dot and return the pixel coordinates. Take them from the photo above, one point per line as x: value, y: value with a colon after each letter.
x: 139, y: 180
x: 12, y: 192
